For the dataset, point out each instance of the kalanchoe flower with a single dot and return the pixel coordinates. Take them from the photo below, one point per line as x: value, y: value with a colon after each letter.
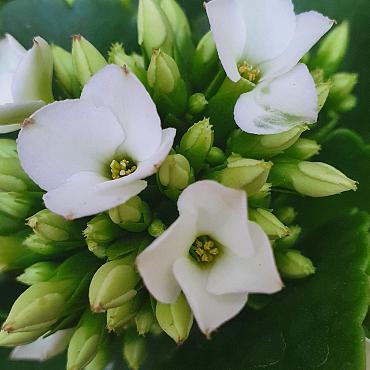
x: 25, y: 80
x: 92, y: 154
x: 212, y: 253
x: 262, y: 41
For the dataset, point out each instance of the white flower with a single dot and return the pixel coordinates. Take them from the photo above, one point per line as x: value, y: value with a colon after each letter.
x: 93, y: 153
x: 43, y: 349
x: 212, y: 253
x: 262, y: 40
x: 25, y: 79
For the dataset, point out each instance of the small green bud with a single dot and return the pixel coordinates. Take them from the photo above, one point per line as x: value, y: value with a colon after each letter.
x: 8, y: 148
x: 290, y: 240
x: 196, y: 144
x: 20, y: 205
x: 10, y: 225
x: 85, y: 341
x: 332, y: 49
x: 86, y: 59
x: 175, y: 319
x: 286, y: 215
x: 303, y: 149
x: 154, y: 29
x: 64, y: 72
x: 113, y: 285
x: 102, y: 358
x: 70, y: 2
x: 174, y: 175
x: 156, y: 228
x: 197, y: 103
x: 293, y: 265
x: 100, y: 233
x: 270, y: 224
x: 349, y: 103
x: 144, y: 319
x: 55, y: 228
x: 205, y: 62
x: 342, y: 87
x: 133, y: 349
x: 263, y: 146
x: 168, y: 88
x: 216, y: 156
x: 262, y: 198
x: 134, y: 215
x: 37, y: 273
x: 323, y: 90
x: 314, y: 179
x: 242, y: 173
x: 18, y: 339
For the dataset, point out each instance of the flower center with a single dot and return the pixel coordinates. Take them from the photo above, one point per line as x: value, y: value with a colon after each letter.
x: 249, y: 72
x: 122, y: 168
x: 204, y: 250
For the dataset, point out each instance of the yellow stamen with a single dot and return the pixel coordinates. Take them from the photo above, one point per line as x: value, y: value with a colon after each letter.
x: 122, y: 168
x: 204, y: 250
x: 249, y: 72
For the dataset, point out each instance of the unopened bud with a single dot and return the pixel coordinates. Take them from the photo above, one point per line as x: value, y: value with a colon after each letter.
x: 196, y: 144
x: 242, y: 173
x: 144, y: 319
x: 37, y: 273
x: 134, y: 215
x: 102, y: 358
x: 290, y: 240
x: 342, y: 87
x: 286, y: 215
x: 270, y: 224
x: 314, y: 179
x: 261, y: 199
x: 20, y: 205
x: 87, y: 60
x: 18, y: 339
x: 197, y: 103
x: 303, y: 149
x: 175, y: 319
x: 293, y: 265
x: 85, y: 341
x: 333, y: 49
x: 174, y: 175
x: 8, y: 148
x: 216, y: 156
x: 133, y: 349
x: 156, y: 228
x: 323, y: 90
x: 263, y: 146
x: 347, y: 104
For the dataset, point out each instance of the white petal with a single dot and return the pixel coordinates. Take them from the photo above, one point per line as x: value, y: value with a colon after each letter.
x: 33, y: 77
x: 257, y: 274
x: 43, y: 348
x: 124, y: 94
x: 221, y: 213
x: 155, y: 264
x: 270, y: 26
x: 12, y: 114
x: 278, y: 105
x: 68, y: 137
x: 229, y: 33
x: 311, y: 26
x: 87, y: 193
x: 209, y: 310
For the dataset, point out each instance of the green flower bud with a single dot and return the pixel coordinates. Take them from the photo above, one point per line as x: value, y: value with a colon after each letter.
x: 55, y: 228
x: 129, y: 246
x: 196, y: 144
x: 20, y: 205
x: 333, y: 49
x: 37, y: 273
x: 13, y: 255
x: 342, y: 87
x: 175, y: 319
x: 174, y: 175
x: 293, y: 265
x: 286, y: 215
x: 290, y: 240
x: 70, y: 2
x: 263, y: 146
x: 10, y: 225
x: 216, y: 156
x: 205, y: 62
x: 133, y: 349
x: 314, y: 179
x: 113, y: 285
x: 8, y: 148
x: 168, y: 88
x: 135, y: 63
x: 197, y: 103
x: 18, y: 339
x: 270, y: 224
x: 64, y: 72
x: 39, y: 307
x: 323, y: 90
x: 156, y: 228
x: 144, y: 319
x: 242, y: 173
x: 85, y: 341
x: 262, y: 198
x: 347, y: 104
x: 134, y: 215
x: 303, y: 149
x: 86, y: 59
x: 100, y: 233
x: 154, y: 29
x: 102, y: 358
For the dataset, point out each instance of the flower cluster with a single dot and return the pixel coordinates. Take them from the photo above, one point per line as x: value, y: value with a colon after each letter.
x: 153, y: 189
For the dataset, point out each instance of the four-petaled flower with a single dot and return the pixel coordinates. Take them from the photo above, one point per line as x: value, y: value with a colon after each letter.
x: 262, y: 41
x: 212, y: 253
x: 92, y: 154
x: 26, y: 80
